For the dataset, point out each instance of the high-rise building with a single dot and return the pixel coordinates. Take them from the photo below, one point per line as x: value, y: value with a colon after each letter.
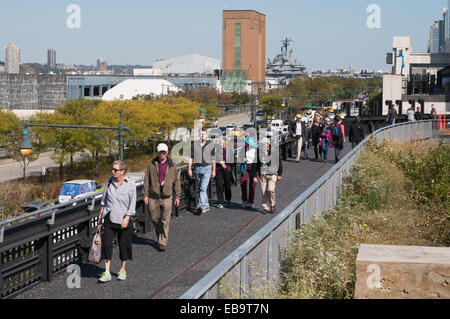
x: 12, y: 59
x: 243, y: 50
x: 102, y: 65
x: 433, y: 43
x: 51, y: 58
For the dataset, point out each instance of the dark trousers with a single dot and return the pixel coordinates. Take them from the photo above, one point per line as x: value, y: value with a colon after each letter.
x: 124, y: 236
x: 223, y: 182
x: 317, y: 150
x: 252, y: 186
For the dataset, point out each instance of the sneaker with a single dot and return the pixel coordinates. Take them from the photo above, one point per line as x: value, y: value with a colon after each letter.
x: 266, y: 211
x: 273, y: 210
x: 106, y: 276
x: 122, y: 275
x: 161, y: 247
x: 220, y: 206
x: 244, y: 204
x: 205, y: 209
x: 250, y: 205
x: 227, y: 203
x: 199, y: 210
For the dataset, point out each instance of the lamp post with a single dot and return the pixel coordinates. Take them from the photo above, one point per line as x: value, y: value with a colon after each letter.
x: 25, y: 145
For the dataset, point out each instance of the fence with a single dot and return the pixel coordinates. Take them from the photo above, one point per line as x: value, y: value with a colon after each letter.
x: 256, y: 263
x: 36, y: 249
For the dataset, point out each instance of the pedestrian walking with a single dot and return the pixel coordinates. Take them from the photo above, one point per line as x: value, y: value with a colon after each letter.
x: 356, y: 133
x: 306, y: 144
x: 410, y: 114
x: 315, y: 136
x: 250, y: 158
x: 118, y: 206
x: 434, y: 116
x: 418, y: 114
x: 338, y: 137
x: 269, y: 172
x: 203, y: 167
x: 325, y: 138
x: 298, y: 132
x: 392, y: 115
x: 224, y: 176
x: 161, y: 184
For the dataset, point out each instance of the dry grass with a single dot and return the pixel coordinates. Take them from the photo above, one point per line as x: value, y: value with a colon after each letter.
x: 378, y: 206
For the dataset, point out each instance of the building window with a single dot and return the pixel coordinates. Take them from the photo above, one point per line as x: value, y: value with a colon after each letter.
x: 87, y: 91
x: 96, y: 91
x: 237, y: 46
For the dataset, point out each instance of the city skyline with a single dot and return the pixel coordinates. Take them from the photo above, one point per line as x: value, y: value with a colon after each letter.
x: 326, y: 35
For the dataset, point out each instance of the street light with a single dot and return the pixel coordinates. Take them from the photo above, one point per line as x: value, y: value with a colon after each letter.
x: 25, y: 145
x: 202, y: 117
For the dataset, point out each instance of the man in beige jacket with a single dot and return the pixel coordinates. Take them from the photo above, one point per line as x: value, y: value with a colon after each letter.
x: 161, y: 181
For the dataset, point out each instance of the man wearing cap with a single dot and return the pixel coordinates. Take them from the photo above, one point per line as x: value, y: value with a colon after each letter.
x: 269, y: 168
x: 298, y: 132
x: 161, y: 181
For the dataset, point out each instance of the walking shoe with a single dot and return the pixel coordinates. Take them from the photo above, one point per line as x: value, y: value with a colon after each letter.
x: 122, y: 275
x: 199, y: 210
x: 106, y: 276
x: 161, y: 247
x: 227, y: 203
x: 205, y: 209
x: 273, y: 210
x: 250, y: 205
x: 220, y: 206
x: 266, y: 211
x: 244, y: 204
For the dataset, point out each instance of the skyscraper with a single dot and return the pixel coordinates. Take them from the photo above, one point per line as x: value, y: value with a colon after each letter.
x: 12, y: 59
x: 51, y: 58
x: 433, y: 43
x: 243, y: 49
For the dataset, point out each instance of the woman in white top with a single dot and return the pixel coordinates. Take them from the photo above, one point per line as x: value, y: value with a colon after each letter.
x: 248, y: 199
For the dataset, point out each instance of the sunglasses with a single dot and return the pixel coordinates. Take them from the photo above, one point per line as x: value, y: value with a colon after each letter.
x: 115, y: 170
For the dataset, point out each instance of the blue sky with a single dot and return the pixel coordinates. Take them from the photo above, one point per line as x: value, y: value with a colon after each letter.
x: 327, y: 33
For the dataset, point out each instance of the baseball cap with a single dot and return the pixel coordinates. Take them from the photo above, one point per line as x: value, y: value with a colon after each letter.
x: 162, y: 148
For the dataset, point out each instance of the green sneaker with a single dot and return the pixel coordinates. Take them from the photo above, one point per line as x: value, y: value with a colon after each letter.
x: 106, y: 276
x: 122, y: 275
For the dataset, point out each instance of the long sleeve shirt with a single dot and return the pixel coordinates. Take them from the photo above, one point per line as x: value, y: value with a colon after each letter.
x: 119, y: 201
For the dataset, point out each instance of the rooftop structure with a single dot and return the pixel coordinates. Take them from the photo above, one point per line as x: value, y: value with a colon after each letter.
x: 128, y: 89
x: 188, y: 64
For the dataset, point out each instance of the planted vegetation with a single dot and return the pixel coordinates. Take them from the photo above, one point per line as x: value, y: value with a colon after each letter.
x: 397, y: 194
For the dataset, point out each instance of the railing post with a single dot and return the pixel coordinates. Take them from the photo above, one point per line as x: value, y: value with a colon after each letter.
x: 269, y: 258
x: 243, y: 278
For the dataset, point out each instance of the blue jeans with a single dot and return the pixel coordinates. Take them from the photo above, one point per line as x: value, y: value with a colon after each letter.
x: 325, y: 148
x: 202, y: 176
x: 392, y: 121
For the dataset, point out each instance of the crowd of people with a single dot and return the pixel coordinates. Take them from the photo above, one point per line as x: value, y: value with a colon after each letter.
x: 260, y: 163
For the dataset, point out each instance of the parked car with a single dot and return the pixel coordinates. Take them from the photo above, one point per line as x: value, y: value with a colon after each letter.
x: 32, y: 207
x: 246, y: 126
x: 136, y: 177
x: 77, y: 188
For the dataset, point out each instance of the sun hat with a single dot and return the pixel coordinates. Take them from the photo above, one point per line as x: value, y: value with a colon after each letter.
x: 162, y: 148
x: 250, y: 141
x: 298, y: 116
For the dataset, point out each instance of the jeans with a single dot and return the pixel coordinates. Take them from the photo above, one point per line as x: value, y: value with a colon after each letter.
x: 202, y: 176
x: 325, y: 148
x: 392, y: 121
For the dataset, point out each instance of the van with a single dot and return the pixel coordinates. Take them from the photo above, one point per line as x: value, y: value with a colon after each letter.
x: 76, y: 189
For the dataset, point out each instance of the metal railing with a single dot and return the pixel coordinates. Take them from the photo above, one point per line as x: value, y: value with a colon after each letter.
x: 256, y: 263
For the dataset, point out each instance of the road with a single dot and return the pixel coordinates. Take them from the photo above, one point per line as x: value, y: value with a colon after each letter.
x: 196, y: 245
x: 10, y: 169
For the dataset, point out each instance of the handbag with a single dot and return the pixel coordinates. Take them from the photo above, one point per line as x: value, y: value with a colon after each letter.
x: 242, y: 168
x: 95, y: 252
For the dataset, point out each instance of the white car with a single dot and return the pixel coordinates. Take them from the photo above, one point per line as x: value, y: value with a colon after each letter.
x: 76, y: 189
x: 136, y: 177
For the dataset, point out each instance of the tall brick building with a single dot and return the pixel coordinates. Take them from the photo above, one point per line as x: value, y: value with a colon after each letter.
x: 243, y: 49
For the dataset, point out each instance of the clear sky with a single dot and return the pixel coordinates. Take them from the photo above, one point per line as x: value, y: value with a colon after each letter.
x: 327, y: 33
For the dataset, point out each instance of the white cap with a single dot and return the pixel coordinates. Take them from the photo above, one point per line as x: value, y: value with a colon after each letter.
x: 162, y: 147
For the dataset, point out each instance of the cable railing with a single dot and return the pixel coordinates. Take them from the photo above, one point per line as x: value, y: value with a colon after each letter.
x: 256, y: 263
